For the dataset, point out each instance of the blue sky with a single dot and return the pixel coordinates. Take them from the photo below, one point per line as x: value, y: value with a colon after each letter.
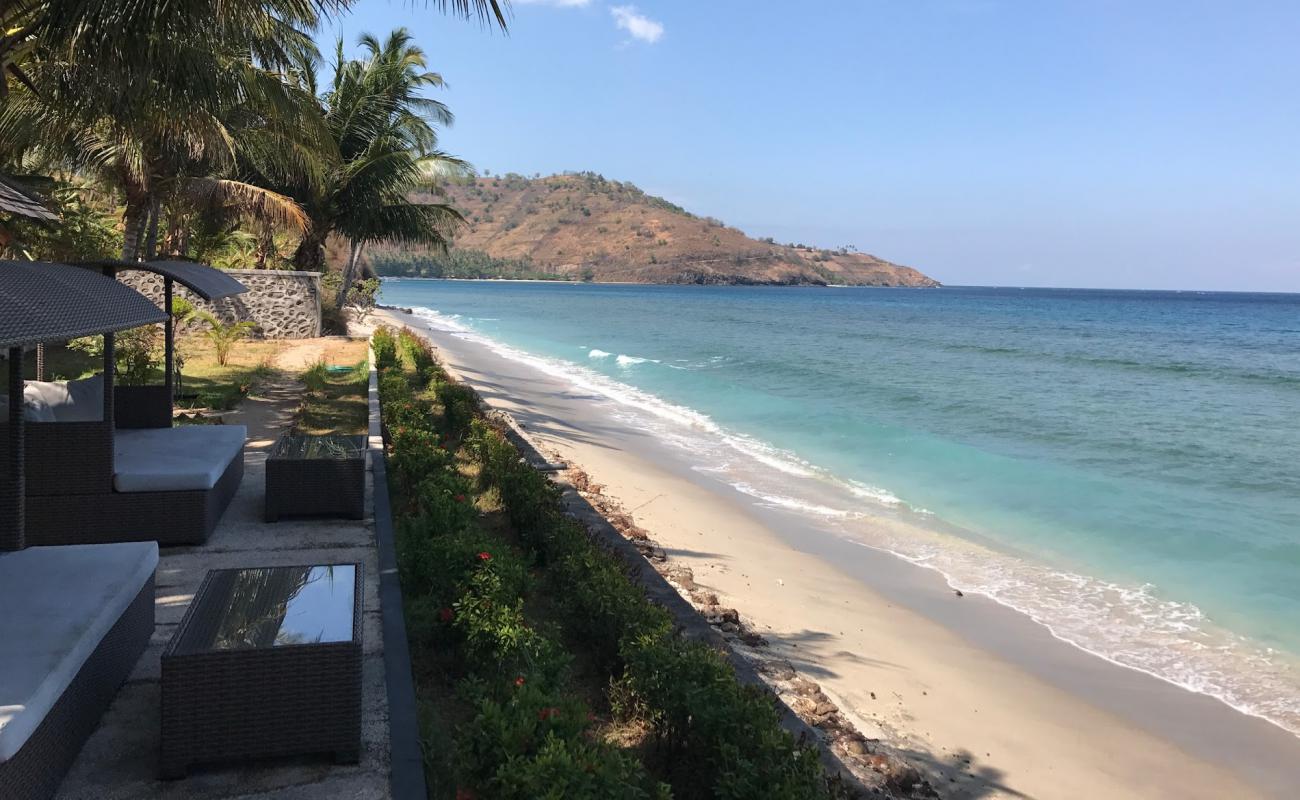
x: 1091, y: 143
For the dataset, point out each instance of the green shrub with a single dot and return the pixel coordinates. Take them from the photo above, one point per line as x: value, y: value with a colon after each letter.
x: 572, y: 769
x: 385, y: 347
x: 316, y: 377
x: 459, y: 407
x: 717, y: 729
x: 418, y: 355
x: 499, y: 642
x: 601, y: 604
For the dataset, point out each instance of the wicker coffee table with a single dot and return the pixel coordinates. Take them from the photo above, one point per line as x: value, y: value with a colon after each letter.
x: 316, y: 476
x: 266, y: 663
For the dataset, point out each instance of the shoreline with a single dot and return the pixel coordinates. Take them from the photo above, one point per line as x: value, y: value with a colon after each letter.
x: 953, y: 679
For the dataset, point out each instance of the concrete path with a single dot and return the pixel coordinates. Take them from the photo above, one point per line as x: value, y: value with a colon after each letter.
x: 121, y: 758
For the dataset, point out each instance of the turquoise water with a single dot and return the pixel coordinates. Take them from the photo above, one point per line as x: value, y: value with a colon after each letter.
x: 1122, y: 466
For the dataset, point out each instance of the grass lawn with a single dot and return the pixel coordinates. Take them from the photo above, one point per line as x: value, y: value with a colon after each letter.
x: 218, y: 387
x: 336, y: 400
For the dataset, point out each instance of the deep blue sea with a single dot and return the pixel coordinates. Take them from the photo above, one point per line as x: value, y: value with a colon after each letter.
x: 1122, y: 466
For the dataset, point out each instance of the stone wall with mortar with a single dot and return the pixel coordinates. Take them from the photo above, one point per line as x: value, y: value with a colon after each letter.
x: 283, y: 304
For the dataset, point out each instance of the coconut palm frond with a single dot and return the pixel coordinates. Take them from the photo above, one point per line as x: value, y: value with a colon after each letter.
x: 254, y: 201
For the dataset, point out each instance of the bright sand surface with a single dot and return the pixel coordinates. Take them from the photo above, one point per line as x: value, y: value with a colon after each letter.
x: 977, y: 694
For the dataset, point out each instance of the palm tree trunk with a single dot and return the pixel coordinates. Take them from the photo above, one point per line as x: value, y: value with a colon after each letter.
x: 265, y: 244
x: 135, y: 218
x: 349, y: 274
x: 310, y: 255
x: 176, y: 242
x: 151, y: 241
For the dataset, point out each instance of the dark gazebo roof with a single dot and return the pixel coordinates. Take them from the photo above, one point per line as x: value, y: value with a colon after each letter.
x: 45, y: 302
x: 14, y: 199
x: 207, y: 282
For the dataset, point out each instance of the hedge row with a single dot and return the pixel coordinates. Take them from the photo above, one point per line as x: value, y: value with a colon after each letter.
x: 466, y: 589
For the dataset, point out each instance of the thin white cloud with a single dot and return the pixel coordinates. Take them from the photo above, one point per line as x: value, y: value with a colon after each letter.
x: 634, y: 22
x: 557, y: 3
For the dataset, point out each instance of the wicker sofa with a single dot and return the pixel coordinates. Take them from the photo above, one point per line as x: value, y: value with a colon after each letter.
x: 76, y: 494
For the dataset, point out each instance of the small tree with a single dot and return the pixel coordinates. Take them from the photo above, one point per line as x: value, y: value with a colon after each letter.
x: 223, y: 336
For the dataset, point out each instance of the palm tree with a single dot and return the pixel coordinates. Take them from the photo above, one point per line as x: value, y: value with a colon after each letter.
x: 143, y: 93
x: 383, y: 128
x: 123, y: 40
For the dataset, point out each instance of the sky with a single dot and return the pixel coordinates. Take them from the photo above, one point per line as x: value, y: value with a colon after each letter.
x: 1084, y: 143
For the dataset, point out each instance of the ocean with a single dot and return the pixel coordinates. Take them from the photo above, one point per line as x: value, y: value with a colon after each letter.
x: 1121, y: 466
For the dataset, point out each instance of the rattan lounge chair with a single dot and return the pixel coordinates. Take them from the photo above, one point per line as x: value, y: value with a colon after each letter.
x: 87, y: 485
x: 75, y: 619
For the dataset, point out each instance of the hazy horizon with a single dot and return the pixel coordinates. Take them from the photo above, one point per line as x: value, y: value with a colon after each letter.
x: 1085, y: 145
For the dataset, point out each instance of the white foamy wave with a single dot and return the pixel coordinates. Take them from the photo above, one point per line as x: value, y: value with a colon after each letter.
x: 875, y: 493
x: 578, y: 376
x: 628, y: 361
x: 794, y: 504
x: 1130, y: 626
x: 599, y: 353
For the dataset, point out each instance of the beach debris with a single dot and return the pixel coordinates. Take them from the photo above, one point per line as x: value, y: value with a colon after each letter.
x: 958, y: 592
x: 681, y: 576
x: 778, y: 669
x: 854, y: 746
x: 704, y: 598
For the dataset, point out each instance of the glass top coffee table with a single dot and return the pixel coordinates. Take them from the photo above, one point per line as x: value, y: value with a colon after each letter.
x: 266, y: 663
x: 309, y: 475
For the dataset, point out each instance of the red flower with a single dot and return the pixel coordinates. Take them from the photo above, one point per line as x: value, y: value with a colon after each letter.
x: 546, y: 713
x: 445, y: 614
x: 519, y: 681
x: 460, y: 498
x: 485, y: 556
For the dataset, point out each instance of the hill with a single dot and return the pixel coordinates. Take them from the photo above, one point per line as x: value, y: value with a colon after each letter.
x: 585, y: 227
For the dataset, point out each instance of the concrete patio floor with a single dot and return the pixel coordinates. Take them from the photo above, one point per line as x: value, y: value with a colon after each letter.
x: 120, y: 760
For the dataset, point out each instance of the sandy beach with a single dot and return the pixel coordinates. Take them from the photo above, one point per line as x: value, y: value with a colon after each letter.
x: 980, y: 696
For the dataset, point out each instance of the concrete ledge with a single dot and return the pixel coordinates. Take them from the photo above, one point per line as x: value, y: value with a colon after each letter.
x: 406, y: 779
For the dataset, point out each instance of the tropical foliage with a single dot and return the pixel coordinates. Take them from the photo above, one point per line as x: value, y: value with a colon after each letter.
x: 196, y: 129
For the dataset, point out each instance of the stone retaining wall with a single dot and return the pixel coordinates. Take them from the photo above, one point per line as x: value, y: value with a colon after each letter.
x: 283, y: 304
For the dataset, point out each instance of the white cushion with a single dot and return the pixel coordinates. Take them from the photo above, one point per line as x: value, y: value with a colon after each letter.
x: 174, y: 459
x: 59, y: 603
x: 85, y: 401
x: 40, y: 397
x: 65, y: 401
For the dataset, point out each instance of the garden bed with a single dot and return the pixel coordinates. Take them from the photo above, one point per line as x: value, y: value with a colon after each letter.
x: 541, y: 668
